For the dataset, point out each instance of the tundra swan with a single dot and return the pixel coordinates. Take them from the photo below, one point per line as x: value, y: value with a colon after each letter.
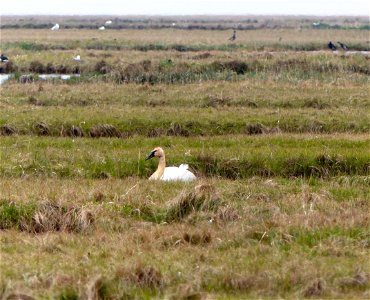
x: 101, y: 28
x: 77, y: 58
x: 180, y: 173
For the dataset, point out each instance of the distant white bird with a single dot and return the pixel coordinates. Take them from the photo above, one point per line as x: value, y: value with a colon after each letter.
x: 173, y: 24
x: 316, y: 24
x: 101, y: 28
x: 180, y: 173
x: 77, y: 58
x: 3, y: 58
x: 55, y: 27
x: 108, y: 22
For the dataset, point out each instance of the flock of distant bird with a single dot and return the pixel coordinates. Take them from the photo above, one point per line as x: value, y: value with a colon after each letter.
x: 331, y: 46
x: 109, y: 22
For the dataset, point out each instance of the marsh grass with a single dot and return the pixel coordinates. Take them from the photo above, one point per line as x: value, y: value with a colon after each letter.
x: 264, y: 155
x: 257, y: 253
x: 45, y: 217
x: 140, y: 121
x: 204, y: 197
x: 278, y: 139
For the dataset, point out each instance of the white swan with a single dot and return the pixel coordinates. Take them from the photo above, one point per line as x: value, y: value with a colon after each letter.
x: 55, y: 27
x: 101, y: 28
x: 77, y: 58
x: 180, y: 173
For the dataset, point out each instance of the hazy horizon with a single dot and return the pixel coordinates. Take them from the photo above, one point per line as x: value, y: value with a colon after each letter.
x: 188, y: 8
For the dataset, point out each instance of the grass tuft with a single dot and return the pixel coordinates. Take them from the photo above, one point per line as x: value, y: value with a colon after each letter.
x: 203, y: 197
x: 8, y: 130
x: 239, y: 283
x: 97, y: 289
x: 104, y: 130
x: 42, y: 128
x: 141, y: 276
x: 360, y: 280
x: 72, y: 131
x: 68, y: 294
x: 19, y: 296
x: 197, y: 237
x: 54, y: 217
x: 177, y: 129
x: 314, y: 289
x: 255, y: 129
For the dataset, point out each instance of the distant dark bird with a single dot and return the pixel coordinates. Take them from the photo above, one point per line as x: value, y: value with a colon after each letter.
x: 3, y: 58
x: 233, y: 37
x: 344, y: 46
x: 332, y: 46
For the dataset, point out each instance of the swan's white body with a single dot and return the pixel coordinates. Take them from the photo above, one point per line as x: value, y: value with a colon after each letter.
x: 101, y: 28
x: 108, y: 22
x: 77, y: 58
x: 180, y: 173
x: 55, y: 27
x: 164, y: 173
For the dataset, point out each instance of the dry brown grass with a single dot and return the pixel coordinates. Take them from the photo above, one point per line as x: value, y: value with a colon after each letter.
x: 42, y: 128
x: 104, y: 130
x: 141, y: 275
x: 171, y: 36
x: 51, y: 216
x: 269, y: 239
x: 204, y: 197
x: 8, y: 130
x: 72, y: 131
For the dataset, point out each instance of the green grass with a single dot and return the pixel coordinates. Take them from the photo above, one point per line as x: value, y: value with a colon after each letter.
x: 164, y: 121
x: 12, y: 215
x: 234, y: 157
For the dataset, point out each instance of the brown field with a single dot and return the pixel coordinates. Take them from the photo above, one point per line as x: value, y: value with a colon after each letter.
x: 175, y: 36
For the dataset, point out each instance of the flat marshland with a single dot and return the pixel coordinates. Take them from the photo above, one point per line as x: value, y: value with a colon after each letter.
x: 274, y: 125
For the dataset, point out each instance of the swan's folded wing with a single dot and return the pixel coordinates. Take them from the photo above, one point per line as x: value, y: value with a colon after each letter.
x: 175, y: 173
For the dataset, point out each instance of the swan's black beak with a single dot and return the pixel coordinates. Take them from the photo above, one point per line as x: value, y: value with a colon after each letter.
x: 151, y: 155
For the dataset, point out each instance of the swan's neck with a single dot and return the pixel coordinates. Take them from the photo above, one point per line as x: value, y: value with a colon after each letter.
x: 160, y: 170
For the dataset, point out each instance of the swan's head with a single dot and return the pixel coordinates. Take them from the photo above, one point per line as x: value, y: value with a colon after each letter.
x: 156, y: 152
